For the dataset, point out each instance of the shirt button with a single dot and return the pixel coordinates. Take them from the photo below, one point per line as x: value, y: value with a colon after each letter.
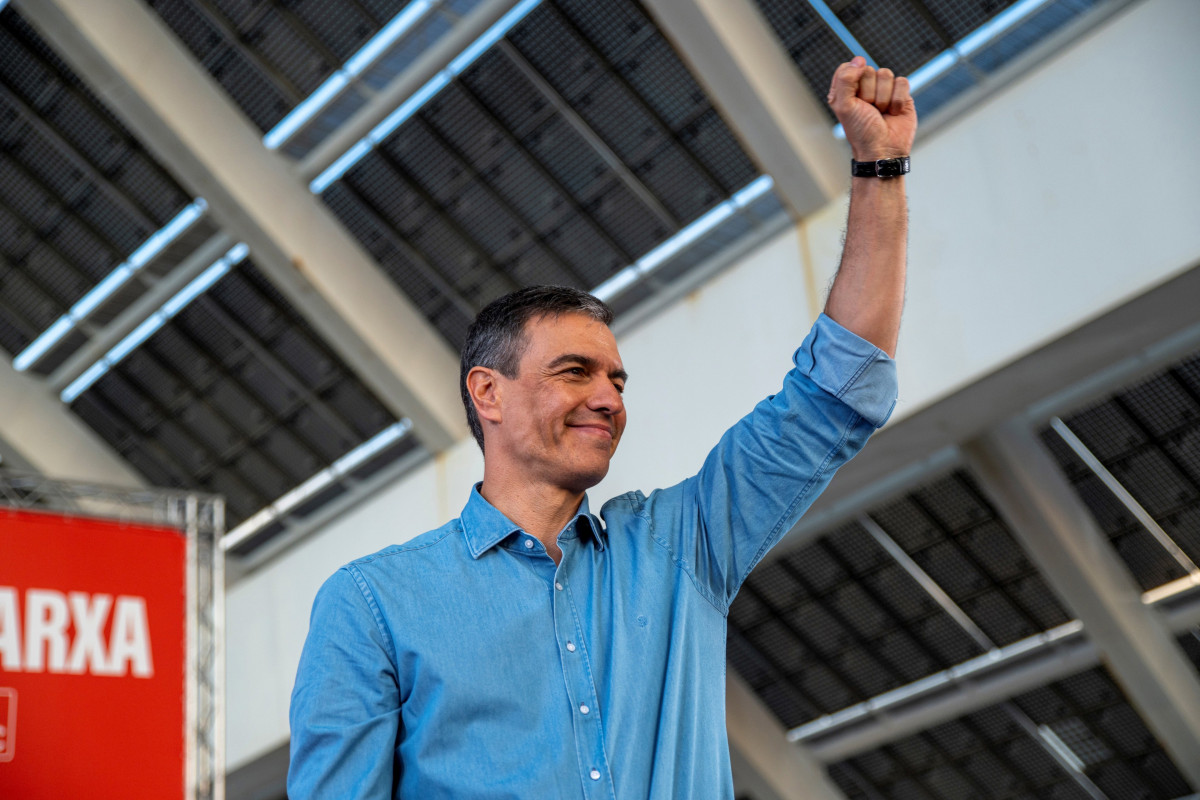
x: 584, y: 709
x: 558, y: 586
x: 570, y: 647
x: 595, y: 774
x: 529, y: 544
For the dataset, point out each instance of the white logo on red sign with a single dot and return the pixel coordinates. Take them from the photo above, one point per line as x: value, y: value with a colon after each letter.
x: 8, y: 724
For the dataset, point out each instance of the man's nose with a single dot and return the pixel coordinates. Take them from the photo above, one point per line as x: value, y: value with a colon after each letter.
x: 606, y: 399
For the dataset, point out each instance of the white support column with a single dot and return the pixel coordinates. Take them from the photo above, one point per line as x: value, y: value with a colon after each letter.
x: 766, y: 764
x: 134, y: 63
x: 1064, y: 541
x: 41, y: 434
x: 740, y: 62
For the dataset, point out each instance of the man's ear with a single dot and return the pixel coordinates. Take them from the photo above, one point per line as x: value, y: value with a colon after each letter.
x: 484, y: 389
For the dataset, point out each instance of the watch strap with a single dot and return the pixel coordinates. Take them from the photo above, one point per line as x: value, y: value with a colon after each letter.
x: 883, y: 168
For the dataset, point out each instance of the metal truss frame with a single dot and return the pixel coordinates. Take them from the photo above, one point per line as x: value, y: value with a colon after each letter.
x: 201, y: 518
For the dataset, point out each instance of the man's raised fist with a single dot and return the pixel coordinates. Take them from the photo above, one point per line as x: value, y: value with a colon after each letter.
x: 875, y: 109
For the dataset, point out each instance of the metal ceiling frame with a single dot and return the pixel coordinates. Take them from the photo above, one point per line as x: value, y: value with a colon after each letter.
x: 403, y: 86
x: 741, y: 64
x: 1060, y: 535
x: 180, y: 113
x: 760, y: 751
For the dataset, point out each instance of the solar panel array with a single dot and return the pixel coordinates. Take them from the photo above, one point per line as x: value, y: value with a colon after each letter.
x: 990, y: 753
x: 236, y: 395
x: 841, y: 621
x: 562, y: 155
x: 77, y: 192
x: 1148, y: 437
x: 269, y: 56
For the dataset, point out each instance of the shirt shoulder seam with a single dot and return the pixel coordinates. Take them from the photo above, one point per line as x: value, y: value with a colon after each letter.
x: 368, y: 595
x: 405, y: 548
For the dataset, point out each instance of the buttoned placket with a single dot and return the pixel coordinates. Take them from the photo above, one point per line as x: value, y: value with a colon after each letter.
x: 577, y: 676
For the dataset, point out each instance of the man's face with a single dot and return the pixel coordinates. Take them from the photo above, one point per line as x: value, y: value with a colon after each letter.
x: 563, y: 415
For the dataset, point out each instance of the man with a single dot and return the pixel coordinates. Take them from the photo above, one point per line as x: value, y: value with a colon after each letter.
x: 530, y: 649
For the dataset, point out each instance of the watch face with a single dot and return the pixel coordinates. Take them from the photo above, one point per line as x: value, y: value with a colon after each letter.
x: 889, y: 167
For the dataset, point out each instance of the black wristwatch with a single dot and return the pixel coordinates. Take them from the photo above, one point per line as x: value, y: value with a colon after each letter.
x: 883, y: 168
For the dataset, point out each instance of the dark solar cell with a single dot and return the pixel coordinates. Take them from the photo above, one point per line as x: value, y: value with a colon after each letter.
x: 264, y: 99
x: 893, y: 33
x: 77, y: 193
x: 1090, y: 714
x: 236, y: 394
x: 960, y: 17
x: 981, y: 568
x: 662, y: 80
x: 985, y: 754
x: 1145, y: 436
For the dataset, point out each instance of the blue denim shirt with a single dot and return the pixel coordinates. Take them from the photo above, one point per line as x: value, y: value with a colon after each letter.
x: 465, y: 664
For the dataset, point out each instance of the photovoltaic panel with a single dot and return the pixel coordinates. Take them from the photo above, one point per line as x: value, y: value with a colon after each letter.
x: 986, y: 754
x: 813, y: 46
x: 270, y: 55
x: 893, y: 32
x: 837, y: 622
x: 1091, y: 715
x: 952, y: 533
x: 237, y: 395
x: 77, y: 193
x: 493, y: 184
x: 1147, y: 436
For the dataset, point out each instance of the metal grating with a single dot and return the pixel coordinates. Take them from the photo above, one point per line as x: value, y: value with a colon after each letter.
x: 270, y: 55
x: 1148, y: 437
x: 895, y: 32
x: 814, y: 47
x: 950, y: 530
x: 235, y: 395
x: 571, y: 148
x: 991, y: 754
x: 1091, y: 715
x: 836, y: 623
x: 77, y: 193
x: 985, y: 755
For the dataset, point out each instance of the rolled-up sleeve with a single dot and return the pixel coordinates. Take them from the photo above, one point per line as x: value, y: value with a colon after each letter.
x: 851, y: 369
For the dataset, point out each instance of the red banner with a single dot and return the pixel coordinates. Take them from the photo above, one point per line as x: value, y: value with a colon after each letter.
x: 92, y: 658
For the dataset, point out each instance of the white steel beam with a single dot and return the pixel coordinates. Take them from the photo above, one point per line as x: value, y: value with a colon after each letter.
x: 134, y: 63
x: 1077, y: 559
x: 39, y: 433
x: 740, y: 62
x: 388, y: 99
x: 766, y: 765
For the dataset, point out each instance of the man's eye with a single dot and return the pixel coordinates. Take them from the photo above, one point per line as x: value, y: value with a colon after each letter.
x: 577, y: 371
x: 620, y: 388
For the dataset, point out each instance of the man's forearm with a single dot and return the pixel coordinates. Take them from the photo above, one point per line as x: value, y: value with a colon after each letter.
x: 877, y: 112
x: 868, y: 293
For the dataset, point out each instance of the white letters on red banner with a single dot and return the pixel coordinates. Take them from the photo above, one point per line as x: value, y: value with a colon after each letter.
x: 65, y: 633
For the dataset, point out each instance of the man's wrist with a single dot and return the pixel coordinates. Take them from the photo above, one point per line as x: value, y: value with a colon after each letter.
x: 886, y: 168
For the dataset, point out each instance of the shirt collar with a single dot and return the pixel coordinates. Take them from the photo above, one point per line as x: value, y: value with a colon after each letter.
x: 484, y: 526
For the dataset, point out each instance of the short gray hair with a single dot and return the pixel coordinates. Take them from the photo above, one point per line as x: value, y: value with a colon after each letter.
x: 496, y: 339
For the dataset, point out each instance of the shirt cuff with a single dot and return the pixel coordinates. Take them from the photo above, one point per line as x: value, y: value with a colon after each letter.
x: 850, y: 368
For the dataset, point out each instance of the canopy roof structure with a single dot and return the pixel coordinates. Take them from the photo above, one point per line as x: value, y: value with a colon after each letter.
x: 241, y: 243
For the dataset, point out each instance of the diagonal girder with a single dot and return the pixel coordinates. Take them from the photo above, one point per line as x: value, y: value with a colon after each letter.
x: 766, y: 763
x: 750, y: 78
x: 177, y: 110
x: 1069, y: 548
